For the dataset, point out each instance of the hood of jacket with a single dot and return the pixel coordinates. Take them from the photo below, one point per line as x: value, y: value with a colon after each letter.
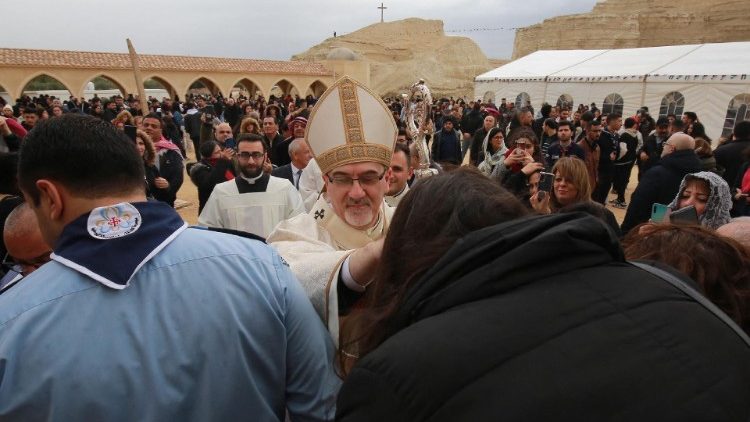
x: 682, y: 161
x: 500, y: 258
x: 719, y: 199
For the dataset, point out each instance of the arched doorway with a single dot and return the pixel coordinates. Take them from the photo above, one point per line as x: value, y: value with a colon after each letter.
x: 316, y: 89
x: 5, y: 95
x: 245, y: 88
x: 203, y: 86
x: 737, y: 111
x: 158, y: 88
x: 103, y: 87
x: 283, y: 88
x: 45, y: 84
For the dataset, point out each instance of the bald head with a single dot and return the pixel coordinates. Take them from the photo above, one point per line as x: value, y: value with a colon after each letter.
x: 222, y: 132
x: 23, y: 239
x: 682, y: 141
x: 678, y: 142
x: 737, y: 229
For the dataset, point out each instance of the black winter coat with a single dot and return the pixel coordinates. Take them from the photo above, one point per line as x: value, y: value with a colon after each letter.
x: 541, y: 319
x: 729, y: 156
x: 659, y: 185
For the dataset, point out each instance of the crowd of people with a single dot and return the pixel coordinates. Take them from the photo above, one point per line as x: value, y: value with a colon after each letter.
x: 325, y: 280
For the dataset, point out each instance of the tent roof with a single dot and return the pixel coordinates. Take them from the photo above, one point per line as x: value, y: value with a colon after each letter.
x: 669, y: 62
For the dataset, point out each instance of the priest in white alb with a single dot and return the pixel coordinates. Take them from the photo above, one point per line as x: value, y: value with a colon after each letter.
x: 334, y: 249
x: 255, y: 201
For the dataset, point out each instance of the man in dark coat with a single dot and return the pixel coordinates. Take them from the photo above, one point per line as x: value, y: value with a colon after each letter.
x: 729, y: 156
x: 661, y: 183
x: 476, y: 155
x: 446, y: 147
x: 496, y: 330
x: 653, y: 144
x: 609, y: 147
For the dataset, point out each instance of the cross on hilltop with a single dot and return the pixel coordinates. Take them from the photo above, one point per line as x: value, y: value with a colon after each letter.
x: 382, y: 9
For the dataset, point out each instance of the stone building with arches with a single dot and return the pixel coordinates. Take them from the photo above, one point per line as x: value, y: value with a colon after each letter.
x: 712, y: 80
x: 178, y: 75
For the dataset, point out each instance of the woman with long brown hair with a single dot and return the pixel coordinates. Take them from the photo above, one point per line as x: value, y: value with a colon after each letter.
x: 480, y: 312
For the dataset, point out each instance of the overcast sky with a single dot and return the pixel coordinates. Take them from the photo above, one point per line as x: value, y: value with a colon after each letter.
x: 254, y: 29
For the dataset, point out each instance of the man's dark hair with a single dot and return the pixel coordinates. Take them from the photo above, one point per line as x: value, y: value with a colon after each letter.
x: 587, y: 116
x: 567, y: 123
x: 451, y: 119
x: 207, y: 148
x: 611, y: 117
x: 662, y: 122
x: 546, y: 109
x: 691, y: 115
x: 742, y: 129
x: 403, y: 148
x: 403, y: 132
x: 551, y: 123
x: 677, y: 125
x: 154, y: 116
x: 87, y: 155
x: 595, y: 123
x: 629, y: 122
x: 251, y: 137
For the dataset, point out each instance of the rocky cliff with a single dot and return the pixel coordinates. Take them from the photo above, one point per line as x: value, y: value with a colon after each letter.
x: 639, y: 23
x: 402, y: 52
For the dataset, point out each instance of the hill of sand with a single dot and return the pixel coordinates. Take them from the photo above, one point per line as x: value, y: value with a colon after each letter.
x: 639, y: 23
x: 402, y: 52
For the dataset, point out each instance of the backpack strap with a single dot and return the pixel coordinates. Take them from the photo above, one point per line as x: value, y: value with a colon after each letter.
x: 698, y: 297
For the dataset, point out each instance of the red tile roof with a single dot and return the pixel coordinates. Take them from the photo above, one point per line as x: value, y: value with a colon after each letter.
x: 88, y: 59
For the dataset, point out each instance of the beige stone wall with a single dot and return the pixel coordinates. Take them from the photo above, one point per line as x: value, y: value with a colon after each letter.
x: 639, y: 23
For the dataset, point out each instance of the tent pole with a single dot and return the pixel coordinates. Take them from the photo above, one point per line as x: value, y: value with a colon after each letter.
x: 544, y: 96
x: 643, y: 91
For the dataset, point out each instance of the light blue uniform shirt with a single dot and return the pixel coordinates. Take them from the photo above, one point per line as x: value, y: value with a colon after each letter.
x: 212, y: 328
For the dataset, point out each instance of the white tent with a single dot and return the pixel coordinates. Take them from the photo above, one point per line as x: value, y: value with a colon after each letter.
x: 708, y: 79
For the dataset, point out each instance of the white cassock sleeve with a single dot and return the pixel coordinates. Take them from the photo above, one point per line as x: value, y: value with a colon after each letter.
x: 211, y: 214
x: 310, y: 184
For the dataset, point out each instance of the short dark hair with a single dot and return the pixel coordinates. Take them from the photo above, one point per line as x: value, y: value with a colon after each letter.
x: 251, y: 137
x: 587, y: 116
x: 742, y: 129
x: 678, y: 125
x: 207, y: 148
x: 403, y: 148
x: 691, y: 115
x: 595, y: 122
x: 546, y: 109
x: 629, y: 122
x: 89, y: 156
x: 551, y: 123
x: 611, y: 117
x: 154, y: 116
x: 565, y: 123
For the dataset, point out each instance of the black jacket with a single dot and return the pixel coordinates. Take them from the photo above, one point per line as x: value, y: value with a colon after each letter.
x: 205, y: 177
x: 659, y: 185
x: 284, y: 172
x: 653, y: 149
x: 729, y: 156
x: 498, y: 330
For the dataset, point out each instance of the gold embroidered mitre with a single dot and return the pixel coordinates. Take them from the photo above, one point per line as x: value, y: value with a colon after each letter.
x: 349, y: 124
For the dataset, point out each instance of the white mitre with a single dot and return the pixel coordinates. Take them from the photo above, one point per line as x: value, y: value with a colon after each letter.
x: 350, y: 124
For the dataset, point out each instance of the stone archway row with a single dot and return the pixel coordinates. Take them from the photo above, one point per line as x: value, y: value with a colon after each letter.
x: 15, y: 80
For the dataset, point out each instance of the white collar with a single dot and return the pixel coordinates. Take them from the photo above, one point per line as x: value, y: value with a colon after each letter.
x: 249, y: 180
x: 294, y: 168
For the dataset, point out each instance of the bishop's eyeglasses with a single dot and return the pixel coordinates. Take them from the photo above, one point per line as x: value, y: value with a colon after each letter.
x: 367, y: 179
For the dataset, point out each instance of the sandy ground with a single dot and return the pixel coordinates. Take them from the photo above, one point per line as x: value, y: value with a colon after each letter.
x: 187, y: 196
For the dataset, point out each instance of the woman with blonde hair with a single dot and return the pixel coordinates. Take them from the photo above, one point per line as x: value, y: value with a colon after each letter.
x: 571, y: 185
x: 122, y: 119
